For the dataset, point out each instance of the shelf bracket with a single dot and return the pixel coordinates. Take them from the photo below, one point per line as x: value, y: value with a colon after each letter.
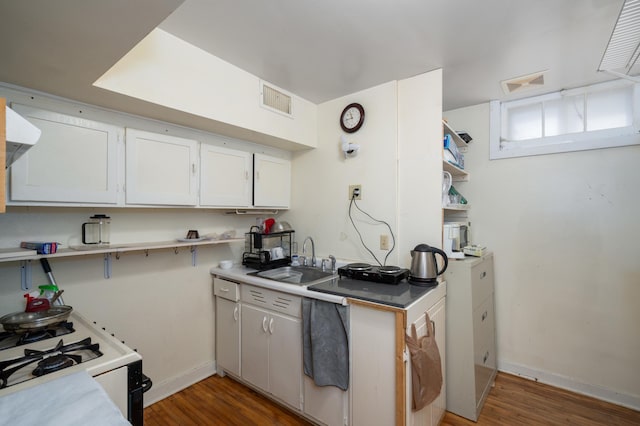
x: 107, y: 266
x: 25, y: 274
x: 194, y: 255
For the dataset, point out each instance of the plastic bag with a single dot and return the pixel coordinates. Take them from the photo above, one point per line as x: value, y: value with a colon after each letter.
x: 426, y: 366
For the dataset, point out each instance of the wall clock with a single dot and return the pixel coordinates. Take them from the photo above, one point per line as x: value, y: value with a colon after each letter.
x: 352, y: 118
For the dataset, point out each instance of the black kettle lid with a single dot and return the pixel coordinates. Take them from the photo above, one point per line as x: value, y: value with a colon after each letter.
x: 423, y: 247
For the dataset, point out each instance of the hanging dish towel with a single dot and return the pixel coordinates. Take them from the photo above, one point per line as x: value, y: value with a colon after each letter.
x: 325, y: 337
x: 426, y: 367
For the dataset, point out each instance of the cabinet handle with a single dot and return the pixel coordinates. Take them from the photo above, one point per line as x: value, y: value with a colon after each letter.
x: 484, y: 315
x: 433, y: 325
x: 225, y: 290
x: 264, y: 324
x: 193, y: 168
x: 235, y: 313
x: 486, y: 356
x: 483, y: 274
x: 246, y: 175
x: 257, y: 175
x: 271, y: 326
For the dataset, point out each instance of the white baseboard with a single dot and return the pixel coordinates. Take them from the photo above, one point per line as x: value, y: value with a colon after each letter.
x: 168, y: 387
x: 598, y: 392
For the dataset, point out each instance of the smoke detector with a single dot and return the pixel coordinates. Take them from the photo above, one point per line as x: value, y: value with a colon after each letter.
x: 525, y: 82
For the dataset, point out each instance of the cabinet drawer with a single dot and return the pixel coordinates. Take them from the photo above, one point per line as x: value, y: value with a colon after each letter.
x: 483, y: 327
x: 226, y: 289
x: 481, y: 281
x: 274, y: 300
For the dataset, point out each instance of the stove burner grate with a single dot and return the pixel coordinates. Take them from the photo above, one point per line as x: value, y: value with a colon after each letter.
x: 54, y: 359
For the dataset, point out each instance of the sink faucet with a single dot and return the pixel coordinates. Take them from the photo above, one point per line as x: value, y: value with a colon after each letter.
x: 313, y: 251
x: 333, y: 263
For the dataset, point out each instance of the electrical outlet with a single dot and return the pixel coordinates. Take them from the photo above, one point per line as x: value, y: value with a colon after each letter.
x: 355, y: 190
x: 384, y: 242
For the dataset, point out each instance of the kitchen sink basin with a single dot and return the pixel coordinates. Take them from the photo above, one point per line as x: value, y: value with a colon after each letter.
x: 301, y: 275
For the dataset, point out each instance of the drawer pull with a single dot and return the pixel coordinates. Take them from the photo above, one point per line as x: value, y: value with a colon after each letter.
x: 224, y: 289
x: 483, y: 274
x: 484, y: 315
x: 235, y: 313
x: 486, y: 357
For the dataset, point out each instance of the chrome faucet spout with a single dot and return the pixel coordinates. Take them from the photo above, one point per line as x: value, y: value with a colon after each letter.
x: 313, y: 250
x: 333, y: 263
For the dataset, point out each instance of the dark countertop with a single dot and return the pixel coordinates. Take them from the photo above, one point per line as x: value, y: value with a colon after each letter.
x: 399, y: 295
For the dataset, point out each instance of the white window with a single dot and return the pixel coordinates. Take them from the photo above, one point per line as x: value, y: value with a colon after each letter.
x: 599, y: 116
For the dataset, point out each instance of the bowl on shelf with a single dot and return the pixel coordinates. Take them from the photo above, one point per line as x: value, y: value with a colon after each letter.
x: 226, y: 264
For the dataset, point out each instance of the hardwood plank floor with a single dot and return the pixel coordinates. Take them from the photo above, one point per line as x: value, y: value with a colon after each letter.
x: 513, y: 401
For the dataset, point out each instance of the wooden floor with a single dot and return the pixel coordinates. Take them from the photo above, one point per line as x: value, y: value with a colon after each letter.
x: 513, y: 401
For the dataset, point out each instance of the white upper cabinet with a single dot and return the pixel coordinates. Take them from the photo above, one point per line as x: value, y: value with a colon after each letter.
x: 161, y: 169
x: 74, y: 161
x: 225, y: 177
x: 272, y: 181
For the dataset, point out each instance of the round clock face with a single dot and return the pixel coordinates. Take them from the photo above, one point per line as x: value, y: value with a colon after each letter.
x: 352, y: 118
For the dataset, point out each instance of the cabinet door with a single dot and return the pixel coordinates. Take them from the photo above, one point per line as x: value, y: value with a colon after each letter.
x: 74, y: 161
x: 228, y: 336
x: 272, y: 181
x: 285, y: 359
x: 161, y: 169
x: 255, y: 346
x: 224, y: 177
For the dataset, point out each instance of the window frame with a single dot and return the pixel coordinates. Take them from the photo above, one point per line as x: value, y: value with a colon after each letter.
x: 586, y: 140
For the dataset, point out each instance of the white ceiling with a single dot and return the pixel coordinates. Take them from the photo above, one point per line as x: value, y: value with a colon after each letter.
x: 319, y: 50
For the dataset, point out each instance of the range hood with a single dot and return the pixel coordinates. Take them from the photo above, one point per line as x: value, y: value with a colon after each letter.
x: 21, y: 135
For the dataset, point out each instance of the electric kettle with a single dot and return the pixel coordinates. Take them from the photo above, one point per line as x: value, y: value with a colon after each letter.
x: 424, y: 268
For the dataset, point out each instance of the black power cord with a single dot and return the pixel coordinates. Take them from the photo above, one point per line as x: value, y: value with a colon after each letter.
x: 393, y: 238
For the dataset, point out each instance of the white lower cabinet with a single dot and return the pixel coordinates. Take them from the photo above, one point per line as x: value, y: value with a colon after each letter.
x: 271, y: 343
x: 381, y: 370
x: 227, y: 326
x: 328, y: 405
x: 161, y: 169
x: 471, y: 358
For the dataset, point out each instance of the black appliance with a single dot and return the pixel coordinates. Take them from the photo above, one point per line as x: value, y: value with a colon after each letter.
x: 378, y: 274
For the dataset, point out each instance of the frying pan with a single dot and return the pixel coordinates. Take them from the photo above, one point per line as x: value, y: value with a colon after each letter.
x: 22, y: 322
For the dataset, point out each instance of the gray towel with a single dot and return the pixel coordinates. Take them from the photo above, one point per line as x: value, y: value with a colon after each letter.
x: 325, y: 336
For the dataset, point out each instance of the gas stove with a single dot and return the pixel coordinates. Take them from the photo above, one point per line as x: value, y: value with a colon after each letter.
x: 70, y: 347
x: 378, y: 274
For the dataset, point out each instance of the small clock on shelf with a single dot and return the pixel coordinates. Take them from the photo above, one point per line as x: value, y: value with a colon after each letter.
x: 352, y: 118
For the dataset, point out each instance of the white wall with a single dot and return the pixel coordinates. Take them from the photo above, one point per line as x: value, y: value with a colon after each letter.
x: 399, y: 166
x: 563, y: 228
x: 168, y: 71
x: 321, y: 178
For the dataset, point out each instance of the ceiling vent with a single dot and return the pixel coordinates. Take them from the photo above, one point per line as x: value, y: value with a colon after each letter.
x: 525, y: 82
x: 624, y: 45
x: 275, y: 99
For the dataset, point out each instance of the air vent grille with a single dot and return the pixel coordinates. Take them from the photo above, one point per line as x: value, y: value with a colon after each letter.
x: 530, y: 81
x: 276, y: 99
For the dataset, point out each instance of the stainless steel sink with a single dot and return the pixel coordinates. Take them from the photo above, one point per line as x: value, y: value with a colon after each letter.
x: 301, y: 275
